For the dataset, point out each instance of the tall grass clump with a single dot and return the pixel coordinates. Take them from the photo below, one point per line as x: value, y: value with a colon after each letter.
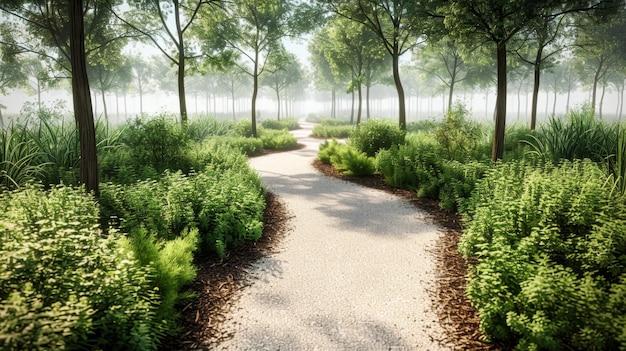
x: 332, y: 130
x: 579, y: 136
x: 65, y: 284
x: 203, y: 127
x: 18, y: 158
x: 549, y: 245
x: 374, y: 135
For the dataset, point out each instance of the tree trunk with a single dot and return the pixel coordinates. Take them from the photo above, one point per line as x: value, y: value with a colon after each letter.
x: 498, y: 138
x: 181, y: 67
x: 601, y: 100
x: 352, y: 108
x: 255, y: 91
x: 277, y: 104
x: 360, y: 108
x: 367, y: 101
x: 232, y: 95
x: 399, y: 88
x: 83, y: 113
x: 554, y: 103
x: 536, y: 83
x: 596, y: 78
x: 333, y: 106
x: 104, y: 108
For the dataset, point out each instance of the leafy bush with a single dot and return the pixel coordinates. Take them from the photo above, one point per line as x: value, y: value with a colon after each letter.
x: 63, y: 285
x: 225, y: 201
x: 457, y: 135
x: 242, y: 128
x: 327, y: 149
x: 277, y: 139
x: 374, y: 135
x: 285, y: 123
x: 332, y: 131
x: 353, y: 162
x: 249, y: 146
x: 550, y: 248
x: 172, y: 263
x: 159, y: 143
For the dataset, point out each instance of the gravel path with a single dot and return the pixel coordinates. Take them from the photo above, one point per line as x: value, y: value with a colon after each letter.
x: 352, y: 274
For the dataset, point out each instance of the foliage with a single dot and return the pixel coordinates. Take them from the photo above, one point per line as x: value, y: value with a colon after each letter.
x: 17, y: 158
x: 284, y: 123
x: 158, y: 143
x: 332, y: 131
x: 66, y: 286
x: 580, y: 136
x: 202, y: 127
x: 172, y: 263
x: 224, y: 201
x: 277, y: 139
x: 353, y: 162
x: 549, y: 247
x: 327, y: 149
x: 374, y: 135
x: 457, y: 135
x: 249, y: 146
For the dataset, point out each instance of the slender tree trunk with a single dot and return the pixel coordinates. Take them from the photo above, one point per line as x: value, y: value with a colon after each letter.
x: 367, y: 101
x: 255, y: 91
x: 232, y: 95
x: 621, y: 105
x: 601, y: 100
x: 277, y: 104
x: 554, y: 102
x: 498, y: 139
x: 125, y: 107
x: 596, y: 78
x: 104, y: 108
x: 352, y: 108
x: 181, y: 66
x: 569, y: 94
x: 83, y: 113
x: 38, y: 94
x: 399, y: 88
x: 536, y: 83
x: 547, y: 102
x: 360, y: 108
x: 333, y: 108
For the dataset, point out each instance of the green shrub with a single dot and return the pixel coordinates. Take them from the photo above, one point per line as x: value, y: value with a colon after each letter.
x: 65, y: 285
x: 225, y: 202
x: 550, y: 249
x: 159, y: 143
x: 327, y: 149
x: 285, y: 123
x: 202, y: 127
x: 172, y: 264
x: 332, y: 131
x: 249, y: 146
x: 353, y: 162
x: 458, y: 136
x: 277, y: 139
x: 374, y: 135
x: 242, y: 128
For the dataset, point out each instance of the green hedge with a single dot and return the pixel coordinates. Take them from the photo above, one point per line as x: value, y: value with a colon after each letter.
x: 374, y: 135
x: 549, y: 244
x: 285, y: 123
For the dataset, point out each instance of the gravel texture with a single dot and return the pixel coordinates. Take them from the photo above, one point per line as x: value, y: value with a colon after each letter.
x: 356, y: 271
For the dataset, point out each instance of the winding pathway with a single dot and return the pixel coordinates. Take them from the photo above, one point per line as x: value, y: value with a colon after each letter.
x: 353, y: 273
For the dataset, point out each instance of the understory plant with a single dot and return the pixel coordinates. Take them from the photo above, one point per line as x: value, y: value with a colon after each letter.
x: 549, y: 244
x: 64, y: 284
x: 374, y: 135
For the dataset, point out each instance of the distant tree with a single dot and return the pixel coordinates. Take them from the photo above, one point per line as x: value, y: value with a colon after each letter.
x: 251, y: 31
x: 444, y: 60
x: 398, y: 25
x: 283, y: 73
x: 166, y: 23
x: 324, y: 76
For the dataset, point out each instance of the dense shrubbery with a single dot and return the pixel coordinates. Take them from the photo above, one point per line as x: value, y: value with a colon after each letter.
x: 224, y: 201
x: 277, y: 139
x: 172, y: 191
x: 550, y: 246
x: 63, y: 285
x: 374, y: 135
x: 332, y: 128
x: 285, y: 123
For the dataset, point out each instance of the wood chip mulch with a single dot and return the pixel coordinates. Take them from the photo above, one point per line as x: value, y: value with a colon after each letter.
x: 218, y: 283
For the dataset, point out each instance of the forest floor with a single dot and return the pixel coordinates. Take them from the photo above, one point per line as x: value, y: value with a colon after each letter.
x: 220, y: 284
